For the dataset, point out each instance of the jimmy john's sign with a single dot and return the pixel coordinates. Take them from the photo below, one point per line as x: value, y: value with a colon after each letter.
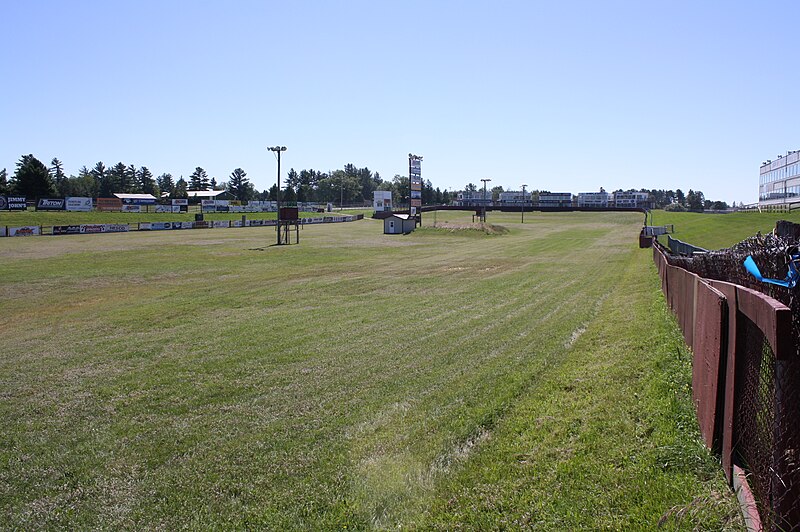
x: 13, y: 203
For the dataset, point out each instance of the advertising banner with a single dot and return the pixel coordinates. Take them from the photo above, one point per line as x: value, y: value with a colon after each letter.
x: 76, y: 203
x: 50, y: 204
x: 115, y: 228
x: 160, y: 226
x: 66, y: 229
x: 109, y: 204
x: 16, y: 203
x: 416, y: 203
x: 26, y: 230
x: 208, y: 203
x: 163, y: 208
x: 144, y: 226
x: 184, y: 225
x: 131, y: 208
x: 91, y: 228
x: 179, y: 202
x: 202, y: 225
x: 2, y: 230
x: 416, y: 194
x: 222, y: 224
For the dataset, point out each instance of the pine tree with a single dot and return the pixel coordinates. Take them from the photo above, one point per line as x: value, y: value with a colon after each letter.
x: 240, y: 186
x: 145, y: 182
x: 32, y: 178
x: 180, y: 190
x: 165, y: 183
x: 57, y: 173
x: 100, y: 174
x: 4, y: 187
x: 199, y: 180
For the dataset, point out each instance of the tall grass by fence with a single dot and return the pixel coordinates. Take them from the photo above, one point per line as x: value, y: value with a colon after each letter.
x: 746, y: 369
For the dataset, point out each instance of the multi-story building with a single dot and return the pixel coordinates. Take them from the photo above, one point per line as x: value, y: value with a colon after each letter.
x: 779, y: 180
x: 555, y: 199
x: 593, y: 199
x: 476, y: 198
x: 514, y: 197
x: 632, y: 200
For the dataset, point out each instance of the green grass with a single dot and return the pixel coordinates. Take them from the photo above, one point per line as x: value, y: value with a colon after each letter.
x: 206, y: 379
x: 717, y: 231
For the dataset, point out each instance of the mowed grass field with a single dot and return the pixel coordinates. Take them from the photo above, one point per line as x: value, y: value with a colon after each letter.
x: 207, y: 379
x: 716, y: 231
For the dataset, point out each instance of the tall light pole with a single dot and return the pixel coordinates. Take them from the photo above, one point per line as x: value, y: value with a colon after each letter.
x: 523, y: 203
x: 484, y: 198
x: 278, y: 150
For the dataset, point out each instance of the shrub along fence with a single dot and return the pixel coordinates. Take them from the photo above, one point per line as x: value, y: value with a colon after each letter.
x: 745, y: 374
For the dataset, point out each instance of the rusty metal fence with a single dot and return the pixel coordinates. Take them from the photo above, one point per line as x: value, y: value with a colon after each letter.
x: 746, y: 368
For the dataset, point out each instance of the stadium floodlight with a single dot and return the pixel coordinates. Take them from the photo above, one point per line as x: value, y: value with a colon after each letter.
x: 485, y: 180
x: 278, y: 150
x: 523, y: 203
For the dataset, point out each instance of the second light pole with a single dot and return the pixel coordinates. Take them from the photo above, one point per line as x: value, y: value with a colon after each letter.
x: 278, y: 150
x: 523, y: 203
x: 484, y: 197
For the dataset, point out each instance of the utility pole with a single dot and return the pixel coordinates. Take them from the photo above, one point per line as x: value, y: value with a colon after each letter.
x: 484, y: 197
x: 278, y: 150
x: 523, y: 203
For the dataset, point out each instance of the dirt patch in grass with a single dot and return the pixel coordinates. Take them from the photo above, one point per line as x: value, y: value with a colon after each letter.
x: 463, y: 228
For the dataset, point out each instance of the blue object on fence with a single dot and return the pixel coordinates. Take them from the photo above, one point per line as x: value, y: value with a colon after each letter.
x: 791, y: 276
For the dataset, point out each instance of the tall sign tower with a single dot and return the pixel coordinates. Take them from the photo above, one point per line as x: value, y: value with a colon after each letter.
x: 415, y: 187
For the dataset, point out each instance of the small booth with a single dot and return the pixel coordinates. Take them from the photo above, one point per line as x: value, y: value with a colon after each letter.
x: 398, y: 224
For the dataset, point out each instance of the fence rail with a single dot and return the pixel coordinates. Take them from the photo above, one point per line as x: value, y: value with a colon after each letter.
x: 123, y: 227
x: 745, y: 384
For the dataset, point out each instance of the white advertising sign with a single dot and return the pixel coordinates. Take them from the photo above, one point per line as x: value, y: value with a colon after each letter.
x: 75, y: 203
x: 26, y: 230
x: 131, y: 208
x: 180, y: 202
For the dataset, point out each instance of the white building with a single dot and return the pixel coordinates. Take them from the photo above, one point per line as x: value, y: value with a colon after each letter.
x: 475, y: 198
x: 555, y: 199
x: 398, y: 224
x: 514, y: 197
x: 594, y: 199
x: 779, y: 180
x: 632, y: 200
x: 382, y: 200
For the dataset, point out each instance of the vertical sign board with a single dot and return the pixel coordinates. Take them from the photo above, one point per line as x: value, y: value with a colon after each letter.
x: 415, y: 181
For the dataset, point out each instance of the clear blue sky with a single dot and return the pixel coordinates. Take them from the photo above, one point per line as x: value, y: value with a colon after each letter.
x: 562, y: 96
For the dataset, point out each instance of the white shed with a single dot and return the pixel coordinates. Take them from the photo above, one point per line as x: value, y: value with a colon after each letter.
x: 398, y: 224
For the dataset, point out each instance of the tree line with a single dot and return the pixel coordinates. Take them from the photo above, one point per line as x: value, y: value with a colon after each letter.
x: 349, y: 185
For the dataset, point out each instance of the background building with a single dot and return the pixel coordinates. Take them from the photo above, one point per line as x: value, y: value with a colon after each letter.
x: 555, y: 199
x: 779, y: 180
x: 593, y: 199
x: 632, y: 200
x: 514, y: 197
x: 474, y: 198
